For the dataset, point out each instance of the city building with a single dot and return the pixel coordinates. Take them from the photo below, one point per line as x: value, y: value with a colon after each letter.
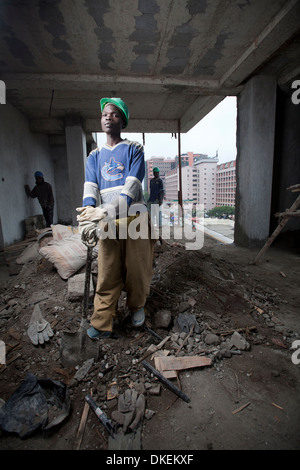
x: 198, y: 181
x: 226, y: 184
x: 204, y: 181
x: 207, y: 169
x: 189, y: 158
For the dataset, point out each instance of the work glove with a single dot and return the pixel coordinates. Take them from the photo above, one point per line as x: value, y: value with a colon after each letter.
x: 91, y: 214
x: 131, y: 408
x: 39, y: 330
x: 90, y: 233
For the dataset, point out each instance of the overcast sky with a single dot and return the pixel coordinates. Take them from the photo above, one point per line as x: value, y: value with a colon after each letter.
x: 214, y: 133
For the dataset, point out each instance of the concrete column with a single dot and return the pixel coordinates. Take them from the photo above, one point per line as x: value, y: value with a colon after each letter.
x: 76, y: 156
x: 255, y: 155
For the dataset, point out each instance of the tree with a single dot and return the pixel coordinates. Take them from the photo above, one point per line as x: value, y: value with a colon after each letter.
x: 222, y: 211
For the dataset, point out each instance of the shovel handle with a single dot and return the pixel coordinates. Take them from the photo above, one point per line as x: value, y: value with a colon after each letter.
x: 86, y: 295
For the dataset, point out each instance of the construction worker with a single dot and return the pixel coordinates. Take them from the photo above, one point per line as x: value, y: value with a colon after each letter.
x: 112, y: 192
x: 156, y: 197
x: 43, y: 191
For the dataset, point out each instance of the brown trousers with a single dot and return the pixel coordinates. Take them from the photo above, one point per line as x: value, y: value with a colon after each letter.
x: 123, y: 264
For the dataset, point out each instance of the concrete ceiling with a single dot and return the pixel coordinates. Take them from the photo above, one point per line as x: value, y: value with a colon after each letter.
x: 170, y: 60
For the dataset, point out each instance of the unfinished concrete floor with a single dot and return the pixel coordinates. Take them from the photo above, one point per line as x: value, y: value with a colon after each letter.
x: 247, y: 401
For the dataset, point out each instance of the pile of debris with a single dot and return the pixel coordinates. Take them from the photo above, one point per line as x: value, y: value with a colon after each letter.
x: 201, y: 311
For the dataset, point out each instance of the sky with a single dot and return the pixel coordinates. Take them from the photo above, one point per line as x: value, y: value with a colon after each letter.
x: 216, y: 132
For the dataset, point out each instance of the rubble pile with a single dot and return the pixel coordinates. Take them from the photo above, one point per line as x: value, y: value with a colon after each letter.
x: 201, y: 308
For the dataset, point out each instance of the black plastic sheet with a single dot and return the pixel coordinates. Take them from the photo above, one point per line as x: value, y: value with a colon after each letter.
x: 35, y: 404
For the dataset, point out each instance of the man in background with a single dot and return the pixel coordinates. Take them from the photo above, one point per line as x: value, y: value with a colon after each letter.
x: 156, y: 197
x: 43, y: 191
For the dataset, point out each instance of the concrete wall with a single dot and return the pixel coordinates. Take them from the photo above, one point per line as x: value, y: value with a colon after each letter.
x: 21, y: 154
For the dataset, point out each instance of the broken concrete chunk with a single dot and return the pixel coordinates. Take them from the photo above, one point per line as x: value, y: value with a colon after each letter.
x: 84, y: 369
x: 186, y: 321
x: 211, y: 338
x: 149, y: 413
x: 155, y: 391
x: 163, y: 319
x: 76, y: 287
x: 239, y: 342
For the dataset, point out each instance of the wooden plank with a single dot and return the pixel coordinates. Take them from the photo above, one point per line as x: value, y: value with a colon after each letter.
x: 287, y: 214
x: 173, y: 363
x: 81, y: 428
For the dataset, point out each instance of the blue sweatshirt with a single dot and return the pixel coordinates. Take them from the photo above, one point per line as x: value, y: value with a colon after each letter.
x: 114, y: 171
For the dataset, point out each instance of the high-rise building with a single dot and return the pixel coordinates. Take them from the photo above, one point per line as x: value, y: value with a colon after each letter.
x: 204, y: 181
x: 198, y: 182
x: 226, y: 184
x: 207, y: 169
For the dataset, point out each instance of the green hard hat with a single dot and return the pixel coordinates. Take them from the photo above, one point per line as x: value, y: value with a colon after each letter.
x: 122, y: 107
x: 155, y: 170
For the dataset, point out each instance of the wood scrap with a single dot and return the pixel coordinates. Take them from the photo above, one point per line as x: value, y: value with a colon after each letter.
x: 277, y: 406
x: 294, y: 188
x: 185, y: 340
x: 152, y: 348
x: 241, y: 408
x: 81, y: 428
x: 168, y: 365
x: 239, y: 330
x: 287, y: 214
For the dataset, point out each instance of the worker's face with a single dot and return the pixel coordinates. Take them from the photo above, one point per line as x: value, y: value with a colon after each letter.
x: 39, y: 179
x: 111, y: 120
x: 156, y: 174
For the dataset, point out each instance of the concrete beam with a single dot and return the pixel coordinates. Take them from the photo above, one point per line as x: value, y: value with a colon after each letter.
x: 62, y: 81
x: 282, y: 27
x: 198, y: 110
x: 57, y: 126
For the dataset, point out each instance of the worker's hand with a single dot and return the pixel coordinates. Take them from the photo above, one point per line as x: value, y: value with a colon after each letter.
x: 131, y: 408
x: 92, y: 214
x: 90, y: 233
x: 39, y: 330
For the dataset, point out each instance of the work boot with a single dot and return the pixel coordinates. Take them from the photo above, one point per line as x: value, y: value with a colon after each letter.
x: 138, y: 317
x: 97, y: 334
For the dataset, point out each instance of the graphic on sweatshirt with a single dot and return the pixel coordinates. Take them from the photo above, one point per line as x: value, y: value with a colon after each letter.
x: 112, y: 170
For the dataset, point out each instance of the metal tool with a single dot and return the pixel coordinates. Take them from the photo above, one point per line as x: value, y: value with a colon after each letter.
x: 166, y: 382
x: 77, y: 347
x: 100, y: 415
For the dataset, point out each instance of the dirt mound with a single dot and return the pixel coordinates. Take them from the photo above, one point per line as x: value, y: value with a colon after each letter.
x: 201, y: 302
